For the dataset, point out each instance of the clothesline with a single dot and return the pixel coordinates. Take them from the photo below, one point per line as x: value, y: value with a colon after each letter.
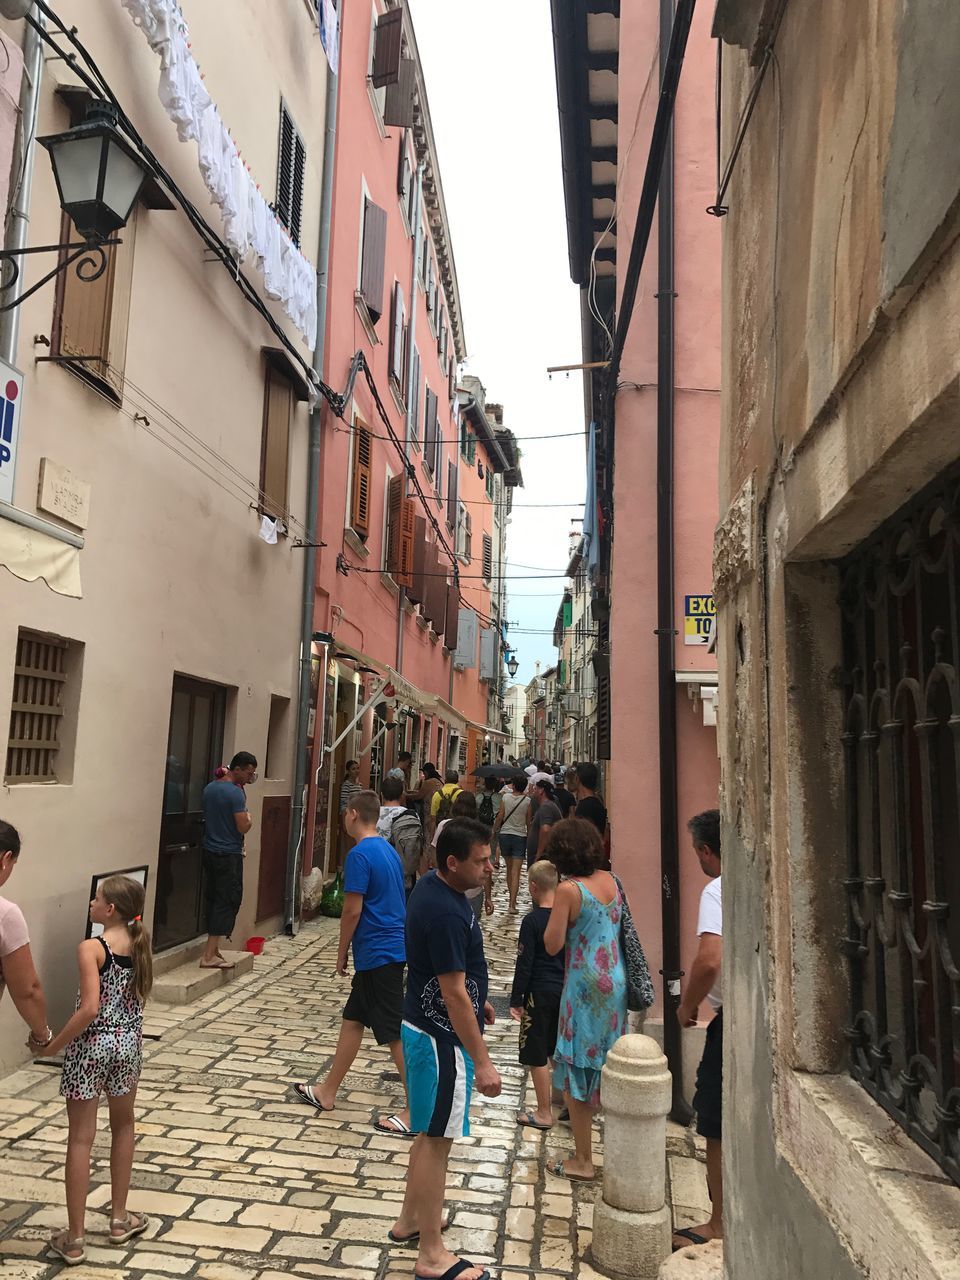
x: 249, y: 222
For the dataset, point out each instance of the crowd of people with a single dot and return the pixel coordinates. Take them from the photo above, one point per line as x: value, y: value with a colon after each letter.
x: 417, y: 877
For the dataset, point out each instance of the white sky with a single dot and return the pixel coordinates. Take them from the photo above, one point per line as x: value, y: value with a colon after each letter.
x: 493, y: 102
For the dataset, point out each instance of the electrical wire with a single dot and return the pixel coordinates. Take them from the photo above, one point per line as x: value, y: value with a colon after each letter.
x: 553, y: 435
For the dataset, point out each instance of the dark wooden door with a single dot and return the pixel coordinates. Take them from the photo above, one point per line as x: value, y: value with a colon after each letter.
x: 194, y: 747
x: 274, y: 834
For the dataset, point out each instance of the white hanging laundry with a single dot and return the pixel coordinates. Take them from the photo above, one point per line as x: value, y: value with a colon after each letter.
x: 330, y: 33
x: 268, y: 530
x: 289, y: 277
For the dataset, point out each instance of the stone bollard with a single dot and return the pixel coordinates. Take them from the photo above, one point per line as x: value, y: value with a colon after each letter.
x: 631, y: 1220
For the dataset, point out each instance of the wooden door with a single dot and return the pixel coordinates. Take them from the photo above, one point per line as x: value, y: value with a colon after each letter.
x: 274, y: 837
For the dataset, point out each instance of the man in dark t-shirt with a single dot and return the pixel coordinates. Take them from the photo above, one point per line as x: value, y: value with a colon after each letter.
x: 589, y: 804
x: 444, y: 1014
x: 225, y: 823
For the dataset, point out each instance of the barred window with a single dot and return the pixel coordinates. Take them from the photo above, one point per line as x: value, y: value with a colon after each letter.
x: 901, y: 658
x: 40, y: 702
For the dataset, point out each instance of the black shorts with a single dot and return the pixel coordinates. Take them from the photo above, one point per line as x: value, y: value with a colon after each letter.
x: 376, y: 1000
x: 708, y: 1099
x: 223, y: 891
x: 538, y: 1028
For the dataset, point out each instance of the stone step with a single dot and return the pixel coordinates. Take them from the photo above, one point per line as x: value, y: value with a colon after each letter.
x: 188, y: 982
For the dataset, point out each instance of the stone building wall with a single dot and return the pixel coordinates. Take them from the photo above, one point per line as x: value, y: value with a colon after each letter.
x: 841, y: 377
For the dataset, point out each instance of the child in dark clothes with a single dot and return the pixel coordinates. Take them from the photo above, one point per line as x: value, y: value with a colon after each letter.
x: 535, y: 998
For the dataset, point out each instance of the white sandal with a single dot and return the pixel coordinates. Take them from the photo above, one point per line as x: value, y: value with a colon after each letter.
x: 134, y: 1224
x: 65, y: 1243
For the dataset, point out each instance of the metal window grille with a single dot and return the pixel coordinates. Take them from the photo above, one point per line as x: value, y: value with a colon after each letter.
x: 900, y: 610
x: 38, y: 685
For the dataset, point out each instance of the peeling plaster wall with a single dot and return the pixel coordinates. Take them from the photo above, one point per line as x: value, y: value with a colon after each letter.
x: 841, y: 377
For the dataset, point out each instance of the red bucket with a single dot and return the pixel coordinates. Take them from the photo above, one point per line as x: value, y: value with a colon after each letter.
x: 255, y: 946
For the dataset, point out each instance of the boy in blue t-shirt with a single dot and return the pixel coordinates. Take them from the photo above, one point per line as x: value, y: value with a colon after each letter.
x: 372, y: 922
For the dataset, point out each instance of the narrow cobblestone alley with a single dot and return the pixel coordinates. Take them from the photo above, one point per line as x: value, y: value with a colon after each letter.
x: 242, y: 1183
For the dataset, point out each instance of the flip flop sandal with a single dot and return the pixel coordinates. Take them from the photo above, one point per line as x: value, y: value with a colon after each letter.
x: 527, y: 1121
x: 134, y: 1224
x: 451, y: 1273
x: 414, y: 1236
x: 394, y: 1126
x: 220, y: 963
x: 306, y: 1095
x: 66, y: 1243
x: 691, y: 1237
x: 559, y: 1171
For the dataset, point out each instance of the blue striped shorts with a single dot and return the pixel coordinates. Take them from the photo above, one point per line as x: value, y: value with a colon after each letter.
x: 439, y: 1084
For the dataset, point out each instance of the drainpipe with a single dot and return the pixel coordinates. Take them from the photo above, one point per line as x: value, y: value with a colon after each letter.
x: 666, y: 672
x: 411, y: 406
x: 18, y: 219
x: 311, y: 538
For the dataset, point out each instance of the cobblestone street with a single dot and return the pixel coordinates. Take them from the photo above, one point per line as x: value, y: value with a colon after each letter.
x: 242, y: 1182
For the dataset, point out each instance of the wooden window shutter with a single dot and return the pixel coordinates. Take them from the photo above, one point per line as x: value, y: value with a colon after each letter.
x: 418, y: 583
x: 374, y: 255
x: 430, y: 432
x: 398, y: 328
x: 275, y: 447
x: 414, y: 391
x: 388, y: 45
x: 487, y: 556
x: 93, y: 317
x: 408, y: 532
x: 398, y: 105
x: 452, y: 495
x: 452, y: 627
x: 291, y: 173
x: 394, y: 505
x: 360, y: 500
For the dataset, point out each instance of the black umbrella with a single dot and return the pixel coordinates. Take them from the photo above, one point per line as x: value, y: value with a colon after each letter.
x: 498, y: 771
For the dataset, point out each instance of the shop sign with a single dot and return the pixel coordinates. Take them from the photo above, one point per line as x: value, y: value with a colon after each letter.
x: 698, y: 615
x: 11, y: 399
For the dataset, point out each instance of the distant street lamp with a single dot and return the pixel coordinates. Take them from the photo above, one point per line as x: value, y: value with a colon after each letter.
x: 513, y: 666
x: 99, y: 176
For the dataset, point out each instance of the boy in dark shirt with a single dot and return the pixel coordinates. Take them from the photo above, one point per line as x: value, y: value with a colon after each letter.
x: 535, y: 998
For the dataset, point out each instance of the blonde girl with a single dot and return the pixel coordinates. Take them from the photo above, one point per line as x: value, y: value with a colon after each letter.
x: 104, y: 1043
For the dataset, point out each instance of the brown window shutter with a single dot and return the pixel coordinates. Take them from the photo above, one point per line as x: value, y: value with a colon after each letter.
x: 93, y: 317
x: 453, y: 617
x: 399, y: 99
x: 388, y: 44
x: 360, y: 502
x: 374, y: 254
x: 275, y: 447
x: 430, y: 444
x: 408, y: 529
x: 394, y: 507
x: 452, y: 495
x: 398, y: 329
x: 436, y: 590
x: 418, y: 585
x: 487, y: 556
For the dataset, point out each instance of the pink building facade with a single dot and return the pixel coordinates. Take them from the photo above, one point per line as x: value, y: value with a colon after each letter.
x: 608, y: 77
x: 397, y: 584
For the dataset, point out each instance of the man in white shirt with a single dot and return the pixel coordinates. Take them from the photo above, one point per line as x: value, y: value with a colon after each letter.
x: 705, y: 983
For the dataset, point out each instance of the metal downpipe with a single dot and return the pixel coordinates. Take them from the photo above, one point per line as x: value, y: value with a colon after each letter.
x: 301, y: 764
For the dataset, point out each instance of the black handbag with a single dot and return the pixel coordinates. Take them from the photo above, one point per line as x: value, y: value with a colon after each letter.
x: 640, y: 993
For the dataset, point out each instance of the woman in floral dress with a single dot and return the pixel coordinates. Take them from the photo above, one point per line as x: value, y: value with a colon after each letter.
x: 593, y: 1007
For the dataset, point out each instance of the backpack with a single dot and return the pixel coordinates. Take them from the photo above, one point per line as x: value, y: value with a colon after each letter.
x: 406, y: 836
x: 485, y: 811
x: 447, y: 798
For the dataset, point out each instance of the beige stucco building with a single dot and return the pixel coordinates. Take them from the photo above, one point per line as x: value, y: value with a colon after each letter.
x: 171, y: 639
x: 836, y: 577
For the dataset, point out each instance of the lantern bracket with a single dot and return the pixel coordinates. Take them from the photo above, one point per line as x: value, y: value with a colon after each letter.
x: 88, y: 259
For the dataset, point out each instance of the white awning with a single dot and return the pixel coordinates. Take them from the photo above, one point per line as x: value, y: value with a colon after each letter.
x: 406, y: 692
x: 30, y: 554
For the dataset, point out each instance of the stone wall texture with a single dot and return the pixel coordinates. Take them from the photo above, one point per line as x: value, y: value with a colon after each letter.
x: 841, y: 370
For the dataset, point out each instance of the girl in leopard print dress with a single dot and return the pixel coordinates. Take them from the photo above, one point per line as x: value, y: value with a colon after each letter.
x: 103, y: 1042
